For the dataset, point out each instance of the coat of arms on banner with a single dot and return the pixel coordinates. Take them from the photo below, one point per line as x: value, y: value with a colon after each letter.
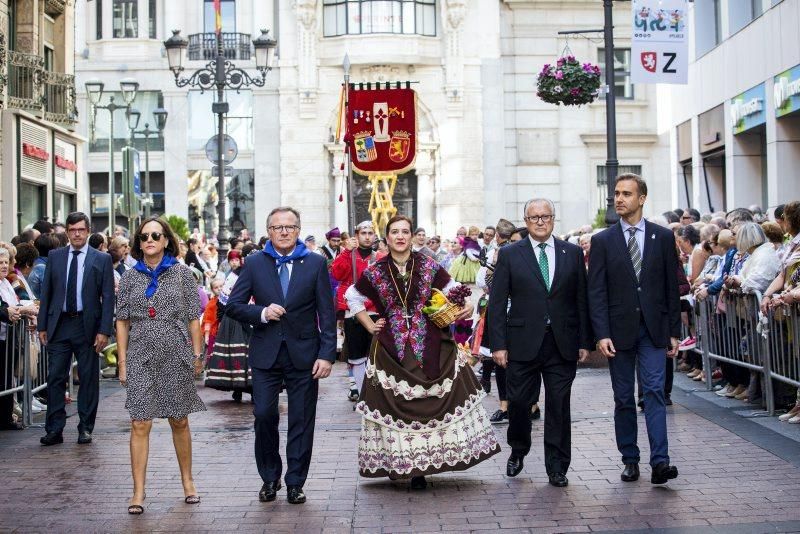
x: 382, y: 127
x: 365, y: 147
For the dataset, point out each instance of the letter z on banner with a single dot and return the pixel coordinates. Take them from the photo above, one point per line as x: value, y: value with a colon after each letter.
x: 660, y: 44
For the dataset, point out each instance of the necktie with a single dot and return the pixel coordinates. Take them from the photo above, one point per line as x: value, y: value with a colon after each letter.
x: 635, y: 253
x: 283, y: 273
x: 544, y: 265
x: 72, y: 283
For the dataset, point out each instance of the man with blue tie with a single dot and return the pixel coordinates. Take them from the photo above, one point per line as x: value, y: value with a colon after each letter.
x: 635, y: 311
x: 293, y: 343
x: 75, y: 318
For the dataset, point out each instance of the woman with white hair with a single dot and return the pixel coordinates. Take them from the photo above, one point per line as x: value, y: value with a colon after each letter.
x: 759, y: 263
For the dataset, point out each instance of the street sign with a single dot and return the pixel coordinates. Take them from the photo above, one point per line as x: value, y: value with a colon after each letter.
x: 229, y: 149
x: 228, y: 171
x: 660, y: 42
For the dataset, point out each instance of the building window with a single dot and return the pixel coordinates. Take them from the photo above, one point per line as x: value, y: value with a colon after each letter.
x: 228, y: 10
x: 238, y: 121
x: 31, y: 203
x: 152, y: 20
x: 126, y: 19
x: 98, y: 19
x: 353, y: 17
x: 49, y: 58
x: 622, y: 71
x: 602, y: 179
x: 708, y: 34
x: 146, y: 102
x: 64, y: 205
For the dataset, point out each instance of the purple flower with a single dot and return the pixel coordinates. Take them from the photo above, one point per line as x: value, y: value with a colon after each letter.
x: 559, y: 75
x: 571, y: 59
x: 560, y: 62
x: 546, y: 68
x: 575, y: 91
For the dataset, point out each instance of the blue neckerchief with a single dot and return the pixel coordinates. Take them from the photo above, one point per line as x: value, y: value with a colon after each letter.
x: 300, y: 251
x: 166, y: 262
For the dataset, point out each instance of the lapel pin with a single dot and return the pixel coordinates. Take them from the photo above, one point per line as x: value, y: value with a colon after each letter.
x: 563, y: 251
x: 653, y: 236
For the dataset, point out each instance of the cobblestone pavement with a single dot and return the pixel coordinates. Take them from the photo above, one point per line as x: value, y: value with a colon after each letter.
x: 728, y: 483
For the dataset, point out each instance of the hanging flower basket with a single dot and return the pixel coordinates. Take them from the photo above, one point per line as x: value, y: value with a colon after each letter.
x: 569, y: 82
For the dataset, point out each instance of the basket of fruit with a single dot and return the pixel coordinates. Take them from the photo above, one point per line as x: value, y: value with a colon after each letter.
x: 443, y: 309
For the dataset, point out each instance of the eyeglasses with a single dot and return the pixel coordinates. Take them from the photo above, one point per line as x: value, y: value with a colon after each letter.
x: 536, y: 218
x: 77, y: 230
x: 281, y: 228
x: 145, y: 237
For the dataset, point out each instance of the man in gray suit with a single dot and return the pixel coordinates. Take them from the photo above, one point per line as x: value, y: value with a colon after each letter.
x: 75, y: 317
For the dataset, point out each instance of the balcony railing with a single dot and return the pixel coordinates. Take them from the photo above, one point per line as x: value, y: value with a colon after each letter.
x: 203, y: 46
x: 30, y: 87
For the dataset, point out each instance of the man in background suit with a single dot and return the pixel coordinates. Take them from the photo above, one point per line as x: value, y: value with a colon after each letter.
x: 292, y: 295
x: 545, y: 330
x: 75, y: 317
x: 635, y: 310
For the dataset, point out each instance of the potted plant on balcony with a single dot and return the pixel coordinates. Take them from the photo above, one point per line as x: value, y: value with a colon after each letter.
x: 568, y: 82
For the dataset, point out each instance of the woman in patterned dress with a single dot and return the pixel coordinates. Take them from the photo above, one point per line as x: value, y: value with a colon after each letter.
x: 421, y: 403
x: 160, y: 348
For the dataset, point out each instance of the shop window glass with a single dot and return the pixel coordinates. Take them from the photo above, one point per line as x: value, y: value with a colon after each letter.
x: 353, y: 17
x: 31, y: 203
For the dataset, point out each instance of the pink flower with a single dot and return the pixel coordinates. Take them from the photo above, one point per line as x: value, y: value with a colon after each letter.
x: 546, y: 68
x: 559, y: 75
x: 575, y: 91
x: 560, y: 62
x: 571, y: 59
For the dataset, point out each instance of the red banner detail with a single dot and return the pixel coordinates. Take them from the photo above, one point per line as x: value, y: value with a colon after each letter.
x: 66, y: 164
x: 649, y: 61
x: 382, y: 130
x: 33, y: 151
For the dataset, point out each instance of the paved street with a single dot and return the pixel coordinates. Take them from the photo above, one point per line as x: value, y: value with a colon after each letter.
x: 736, y: 476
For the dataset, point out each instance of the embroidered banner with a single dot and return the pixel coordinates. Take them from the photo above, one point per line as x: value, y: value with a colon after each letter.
x: 382, y: 130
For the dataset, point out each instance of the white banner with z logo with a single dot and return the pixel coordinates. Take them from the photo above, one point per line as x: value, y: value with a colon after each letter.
x: 660, y: 42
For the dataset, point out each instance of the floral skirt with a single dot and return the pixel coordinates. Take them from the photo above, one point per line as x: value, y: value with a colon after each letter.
x: 226, y: 367
x: 415, y: 426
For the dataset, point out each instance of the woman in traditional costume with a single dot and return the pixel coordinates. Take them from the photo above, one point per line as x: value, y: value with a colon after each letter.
x: 421, y: 403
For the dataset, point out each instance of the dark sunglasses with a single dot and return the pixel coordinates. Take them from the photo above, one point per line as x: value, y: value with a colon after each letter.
x: 144, y: 236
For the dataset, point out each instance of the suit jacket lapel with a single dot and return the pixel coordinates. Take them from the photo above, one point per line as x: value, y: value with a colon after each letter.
x: 618, y: 237
x: 272, y: 274
x: 61, y: 265
x: 87, y: 265
x: 530, y: 257
x: 297, y: 269
x: 560, y: 256
x: 649, y: 243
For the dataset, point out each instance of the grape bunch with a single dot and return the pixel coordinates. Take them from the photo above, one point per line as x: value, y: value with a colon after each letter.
x: 458, y: 295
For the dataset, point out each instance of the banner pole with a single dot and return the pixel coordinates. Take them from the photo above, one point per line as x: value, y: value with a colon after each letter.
x: 351, y: 203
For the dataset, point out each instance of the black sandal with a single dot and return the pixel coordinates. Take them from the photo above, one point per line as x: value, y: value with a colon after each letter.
x: 136, y: 509
x: 192, y: 499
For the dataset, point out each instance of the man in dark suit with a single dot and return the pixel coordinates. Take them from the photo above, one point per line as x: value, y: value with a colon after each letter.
x: 635, y: 310
x: 76, y: 316
x: 293, y: 342
x: 545, y: 330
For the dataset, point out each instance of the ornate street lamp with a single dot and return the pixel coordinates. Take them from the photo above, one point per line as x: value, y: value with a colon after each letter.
x: 94, y: 91
x: 160, y: 117
x: 220, y: 74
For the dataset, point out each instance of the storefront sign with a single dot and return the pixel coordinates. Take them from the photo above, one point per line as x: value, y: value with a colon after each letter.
x: 660, y: 42
x: 747, y: 109
x: 33, y: 151
x: 65, y: 166
x: 787, y: 92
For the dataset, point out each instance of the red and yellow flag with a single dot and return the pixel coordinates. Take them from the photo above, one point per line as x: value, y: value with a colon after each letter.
x: 218, y: 15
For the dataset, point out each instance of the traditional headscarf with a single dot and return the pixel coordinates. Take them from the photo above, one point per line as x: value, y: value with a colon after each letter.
x: 300, y: 251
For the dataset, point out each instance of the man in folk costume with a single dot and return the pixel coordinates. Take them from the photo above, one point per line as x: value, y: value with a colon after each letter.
x: 421, y: 403
x: 333, y: 246
x: 356, y: 337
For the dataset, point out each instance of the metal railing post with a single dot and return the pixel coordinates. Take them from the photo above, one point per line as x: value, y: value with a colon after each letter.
x: 27, y: 373
x: 705, y: 342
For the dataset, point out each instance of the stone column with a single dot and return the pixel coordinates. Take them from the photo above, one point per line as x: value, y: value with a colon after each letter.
x: 454, y: 13
x: 307, y: 82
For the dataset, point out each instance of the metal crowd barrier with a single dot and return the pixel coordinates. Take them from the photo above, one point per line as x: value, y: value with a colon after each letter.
x: 731, y: 329
x: 22, y: 368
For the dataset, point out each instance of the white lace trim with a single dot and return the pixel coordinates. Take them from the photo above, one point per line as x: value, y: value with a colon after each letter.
x: 472, y: 403
x: 403, y: 389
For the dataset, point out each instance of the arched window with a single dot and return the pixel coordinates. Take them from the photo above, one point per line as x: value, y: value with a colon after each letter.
x: 355, y: 17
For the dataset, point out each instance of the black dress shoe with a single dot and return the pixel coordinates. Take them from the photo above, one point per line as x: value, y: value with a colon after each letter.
x: 13, y: 425
x: 640, y: 404
x: 668, y: 400
x: 514, y: 465
x: 269, y: 491
x: 499, y: 417
x: 52, y: 438
x: 295, y: 495
x: 84, y: 438
x: 418, y: 483
x: 663, y: 472
x: 537, y: 414
x: 630, y: 473
x: 558, y: 480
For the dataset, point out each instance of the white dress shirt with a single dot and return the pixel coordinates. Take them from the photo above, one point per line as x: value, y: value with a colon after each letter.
x: 640, y: 230
x: 550, y: 251
x: 81, y: 263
